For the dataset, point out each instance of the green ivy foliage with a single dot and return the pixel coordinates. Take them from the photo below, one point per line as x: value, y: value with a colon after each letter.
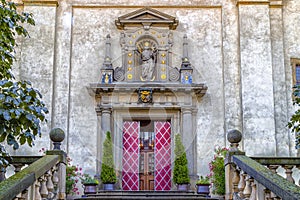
x: 294, y: 123
x: 108, y: 174
x: 180, y: 171
x: 21, y: 108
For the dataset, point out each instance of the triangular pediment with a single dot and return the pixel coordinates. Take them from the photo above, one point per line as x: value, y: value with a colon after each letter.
x: 146, y: 17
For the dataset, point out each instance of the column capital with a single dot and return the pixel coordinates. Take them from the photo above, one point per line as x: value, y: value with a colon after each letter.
x: 185, y: 110
x: 103, y: 109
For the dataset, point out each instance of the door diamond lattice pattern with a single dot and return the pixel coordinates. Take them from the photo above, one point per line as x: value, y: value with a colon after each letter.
x: 162, y: 156
x: 130, y: 173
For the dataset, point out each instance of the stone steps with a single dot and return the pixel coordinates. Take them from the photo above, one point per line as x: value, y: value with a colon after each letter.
x: 132, y: 195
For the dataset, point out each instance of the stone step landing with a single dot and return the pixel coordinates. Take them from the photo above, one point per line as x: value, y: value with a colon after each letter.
x: 132, y: 195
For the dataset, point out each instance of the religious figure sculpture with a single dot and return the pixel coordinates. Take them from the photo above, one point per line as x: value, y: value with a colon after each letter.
x: 148, y: 57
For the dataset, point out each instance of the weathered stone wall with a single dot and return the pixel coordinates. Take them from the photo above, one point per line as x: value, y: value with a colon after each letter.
x: 241, y: 51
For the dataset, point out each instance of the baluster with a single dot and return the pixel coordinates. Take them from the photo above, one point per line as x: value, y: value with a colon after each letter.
x: 299, y: 178
x: 55, y: 178
x: 273, y: 168
x: 247, y: 189
x: 2, y: 173
x: 289, y: 173
x: 24, y: 195
x: 241, y: 184
x: 17, y: 167
x: 43, y: 189
x: 274, y: 196
x: 267, y: 194
x: 49, y: 184
x: 37, y: 195
x: 253, y: 189
x: 236, y: 179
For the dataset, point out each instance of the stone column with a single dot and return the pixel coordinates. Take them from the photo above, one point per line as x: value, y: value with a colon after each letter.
x: 99, y: 139
x: 104, y: 116
x: 106, y: 120
x: 256, y: 77
x: 188, y: 139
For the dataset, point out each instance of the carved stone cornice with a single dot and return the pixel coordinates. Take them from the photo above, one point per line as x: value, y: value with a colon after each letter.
x: 99, y: 88
x: 146, y: 17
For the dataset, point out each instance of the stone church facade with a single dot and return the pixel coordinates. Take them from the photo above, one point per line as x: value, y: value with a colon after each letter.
x: 146, y: 71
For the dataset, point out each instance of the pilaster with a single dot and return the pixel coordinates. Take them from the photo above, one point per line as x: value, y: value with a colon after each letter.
x: 256, y: 77
x: 280, y: 105
x: 188, y: 138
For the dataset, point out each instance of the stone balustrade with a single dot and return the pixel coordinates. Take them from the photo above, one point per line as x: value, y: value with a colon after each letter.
x: 257, y: 178
x: 37, y: 177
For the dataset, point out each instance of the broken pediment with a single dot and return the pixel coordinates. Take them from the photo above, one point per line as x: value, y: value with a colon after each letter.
x: 146, y: 17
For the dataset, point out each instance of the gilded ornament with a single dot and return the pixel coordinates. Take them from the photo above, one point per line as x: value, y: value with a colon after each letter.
x: 163, y: 62
x: 129, y: 62
x: 130, y: 54
x: 163, y: 76
x: 134, y: 36
x: 130, y: 42
x: 129, y: 68
x: 163, y: 69
x: 129, y: 76
x: 163, y: 54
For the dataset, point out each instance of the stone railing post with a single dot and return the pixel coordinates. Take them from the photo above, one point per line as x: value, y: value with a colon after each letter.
x: 231, y: 180
x: 57, y: 135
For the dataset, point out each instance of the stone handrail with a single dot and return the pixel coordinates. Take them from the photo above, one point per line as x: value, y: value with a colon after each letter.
x: 44, y: 177
x: 249, y: 178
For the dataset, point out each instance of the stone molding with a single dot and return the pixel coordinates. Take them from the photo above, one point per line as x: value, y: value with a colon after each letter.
x: 41, y: 2
x: 252, y: 2
x: 146, y: 17
x: 271, y: 3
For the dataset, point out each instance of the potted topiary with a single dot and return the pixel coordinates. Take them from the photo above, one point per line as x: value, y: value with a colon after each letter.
x: 108, y: 174
x: 180, y: 173
x: 89, y: 183
x: 202, y: 185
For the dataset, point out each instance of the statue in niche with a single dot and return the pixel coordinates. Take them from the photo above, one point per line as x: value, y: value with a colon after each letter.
x: 148, y: 58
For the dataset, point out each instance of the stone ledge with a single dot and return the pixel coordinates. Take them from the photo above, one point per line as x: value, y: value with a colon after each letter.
x: 41, y: 2
x: 97, y: 88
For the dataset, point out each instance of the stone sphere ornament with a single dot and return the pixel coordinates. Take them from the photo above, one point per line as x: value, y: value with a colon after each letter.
x: 234, y: 136
x: 57, y: 135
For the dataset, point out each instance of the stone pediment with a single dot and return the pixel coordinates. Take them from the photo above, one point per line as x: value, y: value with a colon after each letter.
x: 146, y: 17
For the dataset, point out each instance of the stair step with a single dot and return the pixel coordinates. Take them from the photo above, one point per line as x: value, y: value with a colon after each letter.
x: 132, y: 195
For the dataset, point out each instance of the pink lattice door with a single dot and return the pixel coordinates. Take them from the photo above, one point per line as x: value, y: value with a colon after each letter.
x: 130, y: 172
x: 162, y: 156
